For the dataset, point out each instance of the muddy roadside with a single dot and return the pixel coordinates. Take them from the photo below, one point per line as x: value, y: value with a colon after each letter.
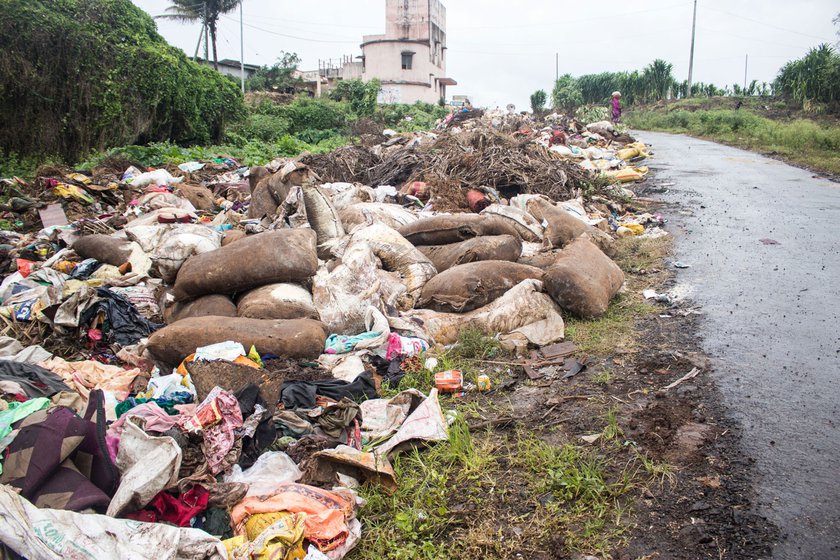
x: 588, y: 455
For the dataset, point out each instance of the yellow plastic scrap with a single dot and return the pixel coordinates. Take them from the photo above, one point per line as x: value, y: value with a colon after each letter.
x: 631, y: 151
x: 636, y: 229
x: 269, y: 536
x: 254, y: 356
x: 626, y: 175
x: 84, y: 179
x: 72, y: 191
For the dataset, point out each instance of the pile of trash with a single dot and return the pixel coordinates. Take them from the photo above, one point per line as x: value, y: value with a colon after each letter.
x: 193, y: 357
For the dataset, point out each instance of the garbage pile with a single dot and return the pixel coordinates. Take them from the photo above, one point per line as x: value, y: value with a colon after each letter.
x: 193, y: 357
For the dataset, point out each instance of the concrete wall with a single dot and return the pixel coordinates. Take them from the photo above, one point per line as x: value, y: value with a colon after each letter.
x: 383, y: 61
x: 416, y: 26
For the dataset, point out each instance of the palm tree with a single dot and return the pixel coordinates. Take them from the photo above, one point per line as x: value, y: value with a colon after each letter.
x: 207, y: 12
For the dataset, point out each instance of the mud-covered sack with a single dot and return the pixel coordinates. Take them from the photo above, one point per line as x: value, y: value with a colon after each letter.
x: 181, y: 243
x: 583, y: 279
x: 540, y: 259
x: 391, y: 215
x: 262, y: 202
x: 444, y: 229
x: 561, y: 227
x: 200, y: 197
x: 104, y: 248
x: 205, y: 306
x: 397, y: 255
x: 524, y: 311
x: 469, y: 286
x: 486, y: 248
x: 528, y: 227
x: 232, y: 236
x: 256, y: 174
x: 277, y: 301
x: 293, y: 338
x: 266, y: 258
x: 114, y: 250
x: 323, y: 218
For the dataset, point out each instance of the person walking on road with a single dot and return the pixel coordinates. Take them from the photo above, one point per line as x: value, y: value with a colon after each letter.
x: 616, y: 107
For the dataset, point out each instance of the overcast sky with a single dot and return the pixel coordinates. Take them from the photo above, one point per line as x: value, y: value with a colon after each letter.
x: 501, y: 51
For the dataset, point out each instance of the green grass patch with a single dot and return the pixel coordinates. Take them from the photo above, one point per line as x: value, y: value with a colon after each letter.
x: 801, y: 141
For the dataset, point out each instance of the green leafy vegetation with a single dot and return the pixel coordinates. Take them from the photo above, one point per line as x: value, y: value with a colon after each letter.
x: 278, y: 77
x: 799, y: 140
x: 538, y: 101
x: 78, y: 75
x: 566, y: 95
x: 814, y: 78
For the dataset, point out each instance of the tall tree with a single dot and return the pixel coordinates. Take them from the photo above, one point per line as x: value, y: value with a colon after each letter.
x: 538, y: 100
x: 207, y: 12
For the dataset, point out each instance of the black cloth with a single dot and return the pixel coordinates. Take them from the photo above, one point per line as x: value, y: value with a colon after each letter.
x: 216, y: 521
x: 125, y: 324
x: 265, y: 436
x: 35, y: 381
x: 301, y: 394
x: 390, y: 370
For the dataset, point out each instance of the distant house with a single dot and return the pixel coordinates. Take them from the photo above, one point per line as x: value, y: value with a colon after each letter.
x: 232, y: 68
x: 409, y: 59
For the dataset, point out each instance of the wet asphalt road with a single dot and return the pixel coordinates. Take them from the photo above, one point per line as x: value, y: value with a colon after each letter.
x: 771, y: 320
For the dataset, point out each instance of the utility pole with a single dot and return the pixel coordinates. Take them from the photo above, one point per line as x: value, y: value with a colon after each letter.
x: 691, y: 58
x: 242, y: 45
x: 746, y: 64
x: 557, y: 69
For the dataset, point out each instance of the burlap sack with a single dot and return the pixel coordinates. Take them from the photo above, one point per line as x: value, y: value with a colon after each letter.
x: 233, y: 236
x: 561, y: 227
x: 396, y: 253
x: 266, y: 258
x: 526, y: 225
x: 323, y: 218
x: 486, y: 248
x: 103, y: 248
x: 277, y: 301
x: 469, y: 286
x: 200, y: 197
x: 256, y: 174
x: 391, y: 215
x: 583, y: 279
x: 205, y: 306
x: 524, y: 311
x: 444, y: 229
x: 262, y: 202
x: 295, y: 338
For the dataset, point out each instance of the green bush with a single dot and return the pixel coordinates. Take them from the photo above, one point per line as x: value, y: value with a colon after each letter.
x: 566, y: 95
x: 77, y: 75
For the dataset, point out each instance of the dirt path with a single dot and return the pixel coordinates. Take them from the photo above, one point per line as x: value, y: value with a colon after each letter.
x: 763, y: 242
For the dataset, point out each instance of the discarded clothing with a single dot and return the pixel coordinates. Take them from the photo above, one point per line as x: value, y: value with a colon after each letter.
x: 263, y: 436
x: 168, y: 404
x: 34, y: 380
x: 301, y: 394
x: 16, y: 412
x: 217, y: 417
x: 59, y: 460
x: 177, y: 510
x: 125, y: 325
x: 336, y: 417
x: 341, y: 344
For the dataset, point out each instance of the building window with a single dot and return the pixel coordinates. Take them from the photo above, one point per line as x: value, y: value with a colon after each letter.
x: 407, y: 59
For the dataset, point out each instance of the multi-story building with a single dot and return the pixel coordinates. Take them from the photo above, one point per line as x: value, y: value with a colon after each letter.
x: 409, y: 59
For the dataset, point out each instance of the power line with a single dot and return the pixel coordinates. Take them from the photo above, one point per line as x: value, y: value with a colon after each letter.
x: 294, y: 36
x: 770, y: 25
x: 583, y: 20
